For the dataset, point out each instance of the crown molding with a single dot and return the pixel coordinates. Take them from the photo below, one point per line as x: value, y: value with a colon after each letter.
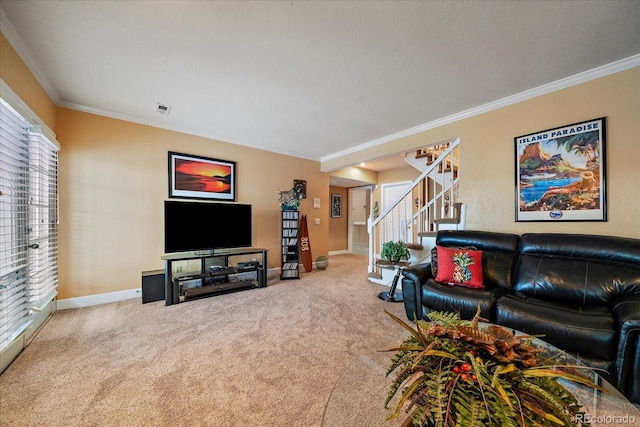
x: 10, y: 97
x: 187, y: 131
x: 27, y: 57
x: 596, y: 73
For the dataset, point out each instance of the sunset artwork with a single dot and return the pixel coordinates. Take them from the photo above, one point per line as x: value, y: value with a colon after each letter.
x: 201, y: 177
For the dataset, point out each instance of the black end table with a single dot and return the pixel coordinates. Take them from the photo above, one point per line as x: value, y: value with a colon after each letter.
x: 391, y: 294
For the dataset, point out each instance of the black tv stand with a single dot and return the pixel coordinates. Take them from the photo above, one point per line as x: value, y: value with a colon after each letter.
x: 220, y: 280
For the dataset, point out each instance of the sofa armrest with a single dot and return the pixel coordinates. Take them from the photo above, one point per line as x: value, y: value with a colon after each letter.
x: 412, y: 279
x: 627, y: 314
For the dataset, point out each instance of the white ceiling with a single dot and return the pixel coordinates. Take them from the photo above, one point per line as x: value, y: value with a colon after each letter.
x: 311, y: 79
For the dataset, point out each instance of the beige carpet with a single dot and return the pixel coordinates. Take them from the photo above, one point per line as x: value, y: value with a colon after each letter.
x: 264, y: 357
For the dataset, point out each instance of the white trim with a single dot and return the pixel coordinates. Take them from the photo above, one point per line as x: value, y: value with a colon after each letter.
x: 186, y: 131
x: 596, y: 73
x: 633, y: 61
x: 89, y: 300
x: 8, y: 354
x: 23, y: 109
x: 342, y: 252
x: 27, y: 56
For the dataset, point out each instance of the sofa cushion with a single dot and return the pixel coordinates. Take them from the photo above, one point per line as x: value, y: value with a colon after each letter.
x: 499, y: 252
x: 578, y: 269
x: 458, y: 266
x: 588, y: 331
x: 434, y: 258
x: 438, y: 296
x: 434, y: 261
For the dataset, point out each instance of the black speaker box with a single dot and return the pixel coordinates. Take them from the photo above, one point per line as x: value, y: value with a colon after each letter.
x: 152, y: 286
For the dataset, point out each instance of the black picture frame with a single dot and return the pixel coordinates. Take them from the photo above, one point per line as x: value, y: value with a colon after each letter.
x: 198, y: 177
x: 300, y: 186
x: 560, y: 173
x: 336, y: 205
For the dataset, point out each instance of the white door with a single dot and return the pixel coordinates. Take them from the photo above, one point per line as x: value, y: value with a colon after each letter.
x: 397, y: 225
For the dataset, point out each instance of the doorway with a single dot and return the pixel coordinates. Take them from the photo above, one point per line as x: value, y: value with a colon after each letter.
x: 359, y: 211
x: 397, y: 225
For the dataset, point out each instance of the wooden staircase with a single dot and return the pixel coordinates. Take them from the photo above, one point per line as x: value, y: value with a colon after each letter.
x: 429, y: 205
x: 453, y: 223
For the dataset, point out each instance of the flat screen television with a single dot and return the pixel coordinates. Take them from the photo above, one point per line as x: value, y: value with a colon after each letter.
x: 195, y: 226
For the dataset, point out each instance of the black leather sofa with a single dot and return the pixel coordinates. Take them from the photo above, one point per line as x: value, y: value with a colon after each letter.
x: 582, y: 292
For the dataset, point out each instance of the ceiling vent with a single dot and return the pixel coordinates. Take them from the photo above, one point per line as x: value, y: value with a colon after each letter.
x: 163, y: 109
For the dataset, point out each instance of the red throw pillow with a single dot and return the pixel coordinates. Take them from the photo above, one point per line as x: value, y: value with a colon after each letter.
x: 459, y: 266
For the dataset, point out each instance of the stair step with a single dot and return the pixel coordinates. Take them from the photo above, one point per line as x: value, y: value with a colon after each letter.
x: 415, y: 246
x: 447, y: 221
x: 427, y: 233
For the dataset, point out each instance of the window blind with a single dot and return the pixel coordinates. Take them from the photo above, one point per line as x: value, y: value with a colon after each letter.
x: 42, y: 220
x: 28, y: 224
x: 14, y: 185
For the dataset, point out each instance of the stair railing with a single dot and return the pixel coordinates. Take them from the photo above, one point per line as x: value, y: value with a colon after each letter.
x: 429, y: 198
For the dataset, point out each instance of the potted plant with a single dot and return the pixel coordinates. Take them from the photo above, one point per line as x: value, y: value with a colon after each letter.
x: 290, y: 199
x: 452, y: 372
x: 395, y: 251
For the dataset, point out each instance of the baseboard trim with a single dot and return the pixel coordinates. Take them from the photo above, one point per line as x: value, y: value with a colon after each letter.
x: 343, y: 252
x: 89, y: 300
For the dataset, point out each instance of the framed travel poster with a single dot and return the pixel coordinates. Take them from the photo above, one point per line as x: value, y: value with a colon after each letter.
x: 197, y: 177
x: 561, y: 173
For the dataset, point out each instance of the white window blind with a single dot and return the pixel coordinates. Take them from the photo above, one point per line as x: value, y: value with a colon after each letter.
x: 14, y: 184
x: 42, y: 220
x: 28, y: 223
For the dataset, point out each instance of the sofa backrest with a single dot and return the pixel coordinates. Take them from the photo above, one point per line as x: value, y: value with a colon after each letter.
x: 499, y: 252
x: 578, y: 269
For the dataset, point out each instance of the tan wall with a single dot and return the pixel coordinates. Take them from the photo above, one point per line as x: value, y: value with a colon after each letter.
x: 113, y: 181
x: 338, y: 227
x: 407, y: 173
x: 15, y: 73
x: 114, y: 178
x: 487, y: 154
x: 356, y: 173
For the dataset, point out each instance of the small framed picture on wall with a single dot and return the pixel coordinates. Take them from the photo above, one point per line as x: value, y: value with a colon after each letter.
x: 301, y: 187
x: 336, y: 206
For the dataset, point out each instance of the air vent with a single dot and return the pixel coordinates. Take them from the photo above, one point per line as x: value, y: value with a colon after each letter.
x: 163, y: 109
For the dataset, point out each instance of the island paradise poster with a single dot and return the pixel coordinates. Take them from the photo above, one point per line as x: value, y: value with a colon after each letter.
x: 561, y: 173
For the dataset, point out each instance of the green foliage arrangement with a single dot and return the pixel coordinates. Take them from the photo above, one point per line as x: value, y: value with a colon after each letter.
x: 451, y: 372
x: 290, y: 199
x: 395, y: 251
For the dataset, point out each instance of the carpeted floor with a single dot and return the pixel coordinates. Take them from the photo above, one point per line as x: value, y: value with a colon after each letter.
x: 264, y: 357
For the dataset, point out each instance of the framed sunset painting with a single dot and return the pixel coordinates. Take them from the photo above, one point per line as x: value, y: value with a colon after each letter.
x: 197, y: 177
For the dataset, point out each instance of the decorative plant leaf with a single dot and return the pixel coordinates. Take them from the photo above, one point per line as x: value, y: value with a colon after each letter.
x: 405, y: 396
x: 476, y: 334
x: 450, y: 372
x: 448, y: 320
x: 405, y: 325
x: 395, y: 251
x: 555, y: 373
